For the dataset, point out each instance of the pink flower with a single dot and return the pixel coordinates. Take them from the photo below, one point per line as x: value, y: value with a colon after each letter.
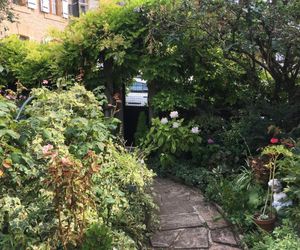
x: 210, y: 141
x: 46, y: 149
x: 22, y: 97
x: 274, y: 140
x: 10, y: 97
x: 66, y: 161
x: 45, y: 82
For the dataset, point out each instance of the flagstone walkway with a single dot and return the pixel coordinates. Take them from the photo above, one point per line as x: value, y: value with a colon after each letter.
x: 187, y: 221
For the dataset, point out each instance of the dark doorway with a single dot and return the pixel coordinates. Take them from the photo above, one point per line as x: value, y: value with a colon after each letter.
x: 131, y: 116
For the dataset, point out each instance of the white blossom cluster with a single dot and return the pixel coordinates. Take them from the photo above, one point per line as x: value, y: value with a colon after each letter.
x: 175, y: 124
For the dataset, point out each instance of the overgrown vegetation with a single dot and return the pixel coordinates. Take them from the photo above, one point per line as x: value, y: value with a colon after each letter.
x: 228, y: 71
x: 64, y: 177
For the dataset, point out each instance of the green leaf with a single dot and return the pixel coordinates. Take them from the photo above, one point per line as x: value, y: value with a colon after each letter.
x: 10, y: 133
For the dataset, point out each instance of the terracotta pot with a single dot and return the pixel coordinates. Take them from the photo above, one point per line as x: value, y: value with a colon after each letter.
x: 267, y: 225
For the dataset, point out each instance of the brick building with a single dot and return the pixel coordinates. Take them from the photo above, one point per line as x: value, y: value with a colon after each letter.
x: 34, y: 18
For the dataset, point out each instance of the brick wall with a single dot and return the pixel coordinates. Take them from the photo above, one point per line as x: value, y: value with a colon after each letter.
x: 33, y: 23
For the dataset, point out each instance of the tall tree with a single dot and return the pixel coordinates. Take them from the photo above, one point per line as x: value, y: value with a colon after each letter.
x: 266, y: 32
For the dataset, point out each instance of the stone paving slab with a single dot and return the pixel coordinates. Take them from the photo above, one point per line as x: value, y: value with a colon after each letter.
x: 223, y: 236
x: 208, y: 212
x: 196, y: 198
x: 222, y: 247
x: 187, y: 221
x: 165, y: 238
x: 192, y: 238
x: 183, y: 220
x: 176, y: 207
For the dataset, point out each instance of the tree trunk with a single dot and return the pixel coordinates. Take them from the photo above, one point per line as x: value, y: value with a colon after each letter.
x: 290, y: 88
x: 286, y: 84
x: 277, y: 88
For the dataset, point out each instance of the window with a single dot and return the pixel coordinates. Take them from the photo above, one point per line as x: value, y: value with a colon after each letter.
x: 32, y: 4
x: 20, y: 2
x: 55, y: 7
x: 45, y: 6
x: 23, y: 37
x: 139, y: 87
x: 65, y: 8
x: 83, y: 5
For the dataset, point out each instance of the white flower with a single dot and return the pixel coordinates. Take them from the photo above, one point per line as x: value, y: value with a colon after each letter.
x: 164, y: 120
x: 195, y: 130
x: 175, y: 125
x: 174, y: 114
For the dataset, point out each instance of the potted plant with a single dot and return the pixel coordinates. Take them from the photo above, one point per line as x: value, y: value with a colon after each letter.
x: 267, y: 218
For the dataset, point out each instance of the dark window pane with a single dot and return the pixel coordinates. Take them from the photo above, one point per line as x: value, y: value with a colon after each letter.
x: 139, y: 87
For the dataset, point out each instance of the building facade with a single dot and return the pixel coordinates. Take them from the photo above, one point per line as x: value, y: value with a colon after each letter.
x: 34, y: 18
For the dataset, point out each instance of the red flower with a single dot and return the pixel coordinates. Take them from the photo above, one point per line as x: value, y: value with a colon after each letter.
x: 274, y: 140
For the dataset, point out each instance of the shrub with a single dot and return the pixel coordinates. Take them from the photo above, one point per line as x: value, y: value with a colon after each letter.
x: 98, y: 237
x: 166, y: 138
x: 283, y: 237
x: 27, y: 61
x: 62, y: 170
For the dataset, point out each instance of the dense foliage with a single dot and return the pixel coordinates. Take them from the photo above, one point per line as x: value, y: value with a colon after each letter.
x: 230, y: 69
x: 27, y: 62
x: 64, y: 178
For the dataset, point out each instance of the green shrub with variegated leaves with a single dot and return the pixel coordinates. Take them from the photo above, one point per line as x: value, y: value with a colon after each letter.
x: 64, y: 176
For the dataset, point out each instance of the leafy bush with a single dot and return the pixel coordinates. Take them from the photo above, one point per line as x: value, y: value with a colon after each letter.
x: 166, y: 138
x: 288, y: 168
x: 239, y: 197
x: 191, y: 174
x: 211, y: 126
x: 174, y: 98
x: 27, y: 61
x: 283, y: 237
x: 98, y: 237
x: 62, y: 170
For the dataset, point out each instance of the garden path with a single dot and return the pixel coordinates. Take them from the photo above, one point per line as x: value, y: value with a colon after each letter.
x: 187, y: 221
